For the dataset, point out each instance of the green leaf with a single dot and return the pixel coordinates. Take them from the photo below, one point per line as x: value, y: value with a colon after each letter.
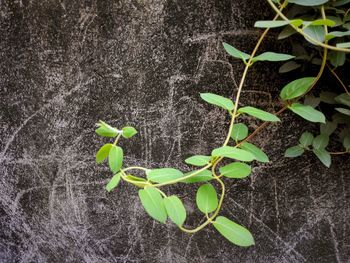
x: 336, y: 58
x: 296, y: 88
x: 115, y: 158
x: 306, y: 139
x: 163, y: 175
x: 218, y: 100
x: 335, y: 34
x: 198, y: 160
x: 235, y: 170
x: 234, y: 232
x: 343, y: 45
x: 328, y: 128
x: 320, y: 22
x: 316, y: 33
x: 233, y: 153
x: 153, y: 203
x: 307, y: 112
x: 289, y: 66
x: 277, y: 23
x: 202, y: 176
x: 344, y: 111
x: 103, y: 152
x: 128, y: 132
x: 344, y: 99
x: 346, y: 142
x: 106, y: 130
x: 257, y: 152
x: 235, y: 52
x: 328, y: 97
x: 113, y: 183
x: 312, y: 101
x: 323, y: 156
x: 320, y: 141
x: 286, y: 32
x: 206, y: 198
x: 272, y: 56
x: 294, y: 151
x: 239, y: 131
x: 308, y: 2
x: 175, y: 209
x: 260, y: 114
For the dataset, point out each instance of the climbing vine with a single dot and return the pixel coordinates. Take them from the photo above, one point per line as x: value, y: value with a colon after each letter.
x: 321, y: 29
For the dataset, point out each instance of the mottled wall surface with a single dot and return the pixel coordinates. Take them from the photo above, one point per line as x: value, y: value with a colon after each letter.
x: 66, y: 64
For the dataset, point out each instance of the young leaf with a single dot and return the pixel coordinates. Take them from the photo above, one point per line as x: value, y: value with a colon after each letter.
x: 315, y: 33
x: 307, y: 112
x: 306, y: 139
x: 346, y: 142
x: 175, y: 209
x: 113, y: 183
x: 272, y: 56
x: 203, y: 176
x: 294, y: 151
x: 308, y: 2
x: 115, y: 158
x: 277, y: 23
x: 344, y: 111
x: 235, y: 233
x: 296, y: 88
x: 323, y: 156
x: 328, y: 128
x: 235, y: 52
x: 260, y: 114
x: 106, y: 130
x: 128, y: 132
x: 152, y: 201
x: 344, y: 99
x: 235, y: 170
x: 289, y: 66
x: 198, y: 160
x: 206, y: 198
x: 320, y: 141
x: 336, y: 58
x: 103, y: 152
x: 256, y: 151
x: 239, y: 131
x: 163, y: 175
x: 233, y: 153
x: 218, y: 100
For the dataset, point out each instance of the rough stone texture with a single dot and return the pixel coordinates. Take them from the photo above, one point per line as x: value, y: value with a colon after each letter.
x: 66, y: 64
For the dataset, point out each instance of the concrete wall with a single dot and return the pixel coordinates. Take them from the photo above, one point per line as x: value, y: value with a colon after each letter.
x: 66, y: 64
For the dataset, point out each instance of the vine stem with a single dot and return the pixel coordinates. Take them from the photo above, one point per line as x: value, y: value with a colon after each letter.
x: 338, y: 79
x: 300, y: 31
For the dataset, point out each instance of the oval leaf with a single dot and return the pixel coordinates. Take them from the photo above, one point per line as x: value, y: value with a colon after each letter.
x: 257, y: 152
x: 206, y: 198
x: 236, y: 170
x: 163, y: 175
x: 306, y: 139
x: 294, y: 151
x: 320, y: 141
x: 152, y: 201
x: 128, y: 132
x: 296, y: 88
x: 234, y: 232
x: 323, y: 156
x: 272, y: 56
x: 234, y: 52
x: 113, y: 183
x: 175, y: 209
x: 218, y: 100
x: 115, y: 158
x: 198, y: 160
x: 260, y: 114
x: 239, y: 131
x: 103, y: 152
x: 308, y: 113
x: 233, y: 153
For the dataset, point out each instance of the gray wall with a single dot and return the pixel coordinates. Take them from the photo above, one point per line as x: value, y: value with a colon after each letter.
x: 66, y: 64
